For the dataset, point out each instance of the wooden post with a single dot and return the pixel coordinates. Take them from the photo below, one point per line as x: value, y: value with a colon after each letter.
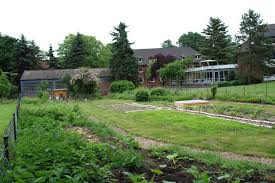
x: 6, y: 147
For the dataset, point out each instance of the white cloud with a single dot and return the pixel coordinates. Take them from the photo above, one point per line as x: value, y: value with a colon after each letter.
x: 150, y: 21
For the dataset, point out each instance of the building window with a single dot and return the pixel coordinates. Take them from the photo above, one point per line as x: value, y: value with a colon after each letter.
x: 140, y: 59
x: 140, y: 69
x: 198, y: 56
x: 152, y: 80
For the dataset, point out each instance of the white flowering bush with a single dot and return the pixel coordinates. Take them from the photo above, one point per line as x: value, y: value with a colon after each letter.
x: 84, y: 81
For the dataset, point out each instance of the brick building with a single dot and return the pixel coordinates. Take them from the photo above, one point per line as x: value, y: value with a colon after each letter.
x: 31, y: 79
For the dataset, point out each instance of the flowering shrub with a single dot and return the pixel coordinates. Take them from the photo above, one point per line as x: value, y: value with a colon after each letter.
x: 84, y: 81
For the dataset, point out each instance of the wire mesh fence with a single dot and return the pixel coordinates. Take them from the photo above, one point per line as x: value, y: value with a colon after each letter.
x: 262, y: 92
x: 9, y: 138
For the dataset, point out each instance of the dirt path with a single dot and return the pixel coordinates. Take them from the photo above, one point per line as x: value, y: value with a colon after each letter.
x: 146, y: 143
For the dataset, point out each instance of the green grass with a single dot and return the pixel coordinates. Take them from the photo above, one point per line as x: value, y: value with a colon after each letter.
x: 245, y: 110
x: 7, y: 108
x: 255, y: 93
x: 188, y: 129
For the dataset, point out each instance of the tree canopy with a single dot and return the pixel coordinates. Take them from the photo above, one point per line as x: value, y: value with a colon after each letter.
x: 255, y: 50
x: 5, y: 85
x: 123, y: 64
x: 167, y: 44
x: 217, y: 41
x: 175, y: 70
x: 96, y: 53
x: 27, y: 56
x: 53, y: 62
x: 191, y: 39
x: 7, y: 53
x: 158, y: 61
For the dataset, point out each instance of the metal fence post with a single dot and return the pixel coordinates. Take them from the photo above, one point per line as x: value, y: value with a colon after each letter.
x: 6, y: 148
x: 266, y: 90
x: 14, y: 125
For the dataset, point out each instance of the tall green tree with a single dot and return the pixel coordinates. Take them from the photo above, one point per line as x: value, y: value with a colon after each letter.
x: 123, y: 65
x: 255, y: 50
x: 167, y: 44
x: 5, y: 86
x: 76, y: 54
x: 96, y: 53
x: 53, y: 62
x: 7, y: 53
x: 191, y: 39
x: 27, y: 56
x: 217, y: 41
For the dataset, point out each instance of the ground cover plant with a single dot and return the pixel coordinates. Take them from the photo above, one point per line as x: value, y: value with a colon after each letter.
x: 186, y: 129
x: 47, y: 152
x: 256, y: 93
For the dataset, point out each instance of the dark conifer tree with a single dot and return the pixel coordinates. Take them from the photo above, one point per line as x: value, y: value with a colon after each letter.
x: 256, y: 49
x: 76, y: 55
x: 53, y: 62
x: 123, y: 64
x: 217, y: 42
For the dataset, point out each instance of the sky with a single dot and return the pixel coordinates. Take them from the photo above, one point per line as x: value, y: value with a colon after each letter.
x: 150, y: 22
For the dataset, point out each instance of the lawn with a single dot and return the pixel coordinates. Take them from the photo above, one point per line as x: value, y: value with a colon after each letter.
x: 187, y: 129
x: 255, y: 93
x: 6, y: 110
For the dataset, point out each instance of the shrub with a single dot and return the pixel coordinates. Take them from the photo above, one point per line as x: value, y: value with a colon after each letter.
x: 121, y: 86
x: 142, y: 96
x: 214, y: 90
x: 158, y: 92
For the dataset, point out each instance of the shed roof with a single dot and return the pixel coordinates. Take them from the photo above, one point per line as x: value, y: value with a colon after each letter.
x: 178, y: 52
x: 214, y: 67
x: 59, y: 73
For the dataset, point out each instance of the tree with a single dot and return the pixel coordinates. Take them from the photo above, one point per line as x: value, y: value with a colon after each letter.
x: 159, y: 61
x: 167, y: 44
x: 255, y: 49
x: 96, y: 53
x: 76, y: 54
x: 123, y: 64
x: 217, y: 42
x: 27, y: 56
x: 175, y: 70
x: 53, y: 62
x: 191, y: 39
x: 7, y: 53
x: 5, y: 85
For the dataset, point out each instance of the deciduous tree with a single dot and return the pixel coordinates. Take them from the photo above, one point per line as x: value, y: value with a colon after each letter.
x: 191, y: 39
x: 5, y: 85
x: 167, y: 44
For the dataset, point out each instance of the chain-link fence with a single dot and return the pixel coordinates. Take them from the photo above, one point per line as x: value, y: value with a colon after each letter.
x: 254, y: 92
x: 9, y: 138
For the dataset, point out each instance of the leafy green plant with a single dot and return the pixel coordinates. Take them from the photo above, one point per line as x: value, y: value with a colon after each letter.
x: 121, y: 86
x: 155, y: 172
x: 200, y: 177
x: 158, y: 92
x: 142, y: 96
x: 136, y: 178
